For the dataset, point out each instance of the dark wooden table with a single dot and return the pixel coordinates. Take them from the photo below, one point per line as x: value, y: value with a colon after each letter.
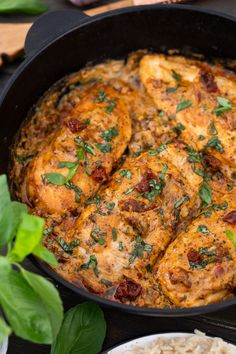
x: 122, y: 326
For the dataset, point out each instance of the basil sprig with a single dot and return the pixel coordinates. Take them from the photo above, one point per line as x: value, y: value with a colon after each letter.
x: 31, y: 304
x: 82, y: 332
x: 28, y: 7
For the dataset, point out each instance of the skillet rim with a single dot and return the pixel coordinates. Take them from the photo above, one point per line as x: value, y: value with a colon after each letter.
x: 152, y: 311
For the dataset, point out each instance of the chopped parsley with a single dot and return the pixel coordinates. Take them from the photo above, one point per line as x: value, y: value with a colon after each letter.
x: 162, y: 148
x: 130, y: 190
x: 47, y: 231
x: 179, y: 128
x: 92, y: 263
x: 114, y: 234
x: 183, y: 105
x: 110, y: 206
x: 176, y: 76
x: 205, y: 251
x: 111, y: 104
x: 205, y: 194
x: 126, y: 173
x: 202, y: 264
x: 94, y: 200
x: 203, y: 229
x: 109, y: 134
x: 104, y: 147
x: 201, y: 138
x: 180, y: 202
x: 160, y: 113
x: 224, y: 105
x: 76, y: 189
x: 72, y: 166
x: 214, y: 143
x: 139, y: 247
x: 54, y: 178
x: 121, y: 247
x: 156, y: 188
x: 212, y: 128
x: 106, y: 282
x: 171, y: 89
x: 193, y: 155
x: 67, y: 247
x: 98, y: 236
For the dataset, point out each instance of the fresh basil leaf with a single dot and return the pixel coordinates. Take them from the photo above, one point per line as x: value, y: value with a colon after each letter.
x: 28, y: 236
x: 67, y: 164
x: 49, y: 297
x: 231, y: 236
x: 44, y: 254
x: 183, y: 105
x: 55, y: 178
x: 29, y: 7
x: 5, y: 331
x: 6, y: 212
x: 24, y: 309
x: 82, y: 332
x: 205, y: 193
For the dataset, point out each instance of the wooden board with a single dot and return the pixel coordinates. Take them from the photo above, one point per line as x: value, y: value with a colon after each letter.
x: 13, y: 34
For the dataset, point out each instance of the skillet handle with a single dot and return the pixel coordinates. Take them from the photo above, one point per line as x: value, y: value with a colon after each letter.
x: 49, y: 26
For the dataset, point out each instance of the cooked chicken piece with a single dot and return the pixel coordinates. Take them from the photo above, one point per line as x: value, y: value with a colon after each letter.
x: 123, y: 234
x: 201, y: 101
x: 81, y: 154
x: 199, y: 267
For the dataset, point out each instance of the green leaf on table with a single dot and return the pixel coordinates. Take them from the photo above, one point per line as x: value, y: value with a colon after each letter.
x: 5, y: 331
x: 29, y: 7
x: 28, y: 236
x: 24, y: 309
x: 45, y: 255
x: 49, y: 297
x: 82, y: 332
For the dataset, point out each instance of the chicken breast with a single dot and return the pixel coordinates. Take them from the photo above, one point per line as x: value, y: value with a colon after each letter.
x: 80, y: 155
x: 199, y: 267
x: 200, y: 100
x: 125, y: 230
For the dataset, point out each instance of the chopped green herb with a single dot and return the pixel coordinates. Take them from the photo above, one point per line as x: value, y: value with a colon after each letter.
x: 221, y: 206
x: 193, y: 155
x: 214, y: 143
x: 205, y: 251
x: 162, y: 148
x: 171, y: 89
x: 76, y: 189
x: 114, y: 234
x: 231, y: 236
x: 94, y: 200
x: 171, y: 117
x: 48, y: 231
x: 80, y: 153
x: 212, y: 128
x: 102, y: 97
x: 183, y: 105
x: 205, y: 193
x: 121, y: 246
x: 201, y: 138
x: 224, y: 105
x: 179, y: 128
x: 139, y: 247
x: 72, y: 166
x: 25, y: 158
x: 160, y: 113
x: 89, y: 148
x: 68, y: 247
x: 203, y: 229
x: 110, y: 134
x: 92, y: 263
x: 156, y: 188
x: 126, y: 173
x: 130, y: 190
x: 106, y: 282
x: 180, y: 202
x: 110, y: 206
x: 176, y: 76
x: 148, y: 268
x: 104, y: 147
x: 203, y: 264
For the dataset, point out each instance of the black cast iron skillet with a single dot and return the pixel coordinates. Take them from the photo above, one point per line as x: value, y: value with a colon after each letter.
x: 62, y: 42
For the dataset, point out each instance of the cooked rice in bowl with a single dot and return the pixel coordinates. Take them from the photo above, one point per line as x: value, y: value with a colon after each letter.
x: 197, y: 343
